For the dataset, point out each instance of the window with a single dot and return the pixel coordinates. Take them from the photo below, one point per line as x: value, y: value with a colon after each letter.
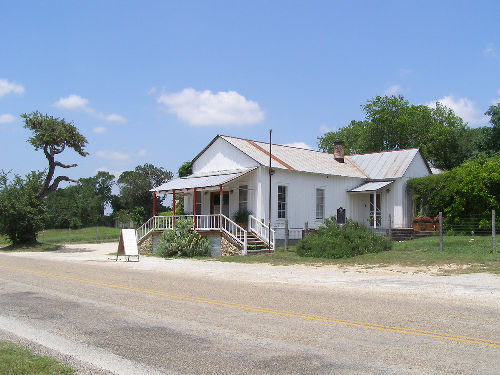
x: 198, y: 203
x: 243, y: 197
x: 281, y: 202
x: 320, y: 204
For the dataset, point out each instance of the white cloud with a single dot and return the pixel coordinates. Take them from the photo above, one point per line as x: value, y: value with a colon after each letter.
x: 496, y: 100
x: 152, y: 91
x: 99, y: 130
x: 119, y: 157
x: 324, y: 129
x: 76, y: 102
x: 463, y: 107
x: 73, y: 102
x: 489, y: 51
x: 7, y: 118
x: 206, y: 108
x: 6, y: 87
x: 112, y: 117
x: 392, y: 90
x: 299, y: 145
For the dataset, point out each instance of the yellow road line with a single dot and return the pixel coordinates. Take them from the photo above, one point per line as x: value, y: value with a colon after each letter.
x: 438, y: 335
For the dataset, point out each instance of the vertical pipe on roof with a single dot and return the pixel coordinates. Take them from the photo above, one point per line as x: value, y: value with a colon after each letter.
x: 270, y: 175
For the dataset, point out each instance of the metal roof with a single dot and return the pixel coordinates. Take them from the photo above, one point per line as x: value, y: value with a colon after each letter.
x: 386, y: 164
x: 294, y: 158
x: 201, y: 181
x: 370, y: 186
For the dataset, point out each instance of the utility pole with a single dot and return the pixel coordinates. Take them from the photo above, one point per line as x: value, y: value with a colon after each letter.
x: 270, y: 174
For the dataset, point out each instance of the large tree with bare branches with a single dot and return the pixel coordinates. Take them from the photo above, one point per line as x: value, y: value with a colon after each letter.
x: 53, y: 135
x: 22, y: 201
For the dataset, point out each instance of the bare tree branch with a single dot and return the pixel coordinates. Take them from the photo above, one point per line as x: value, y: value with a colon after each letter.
x: 46, y: 191
x: 59, y: 164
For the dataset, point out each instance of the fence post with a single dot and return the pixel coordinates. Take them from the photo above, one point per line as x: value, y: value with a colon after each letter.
x: 494, y: 229
x: 69, y: 234
x: 440, y: 230
x: 389, y: 234
x: 96, y: 233
x: 286, y: 234
x: 306, y: 229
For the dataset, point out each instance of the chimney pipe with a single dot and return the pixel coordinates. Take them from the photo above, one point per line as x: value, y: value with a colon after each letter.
x: 338, y: 151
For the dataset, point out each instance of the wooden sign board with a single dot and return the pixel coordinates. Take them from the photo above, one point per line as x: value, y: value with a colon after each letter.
x: 128, y: 244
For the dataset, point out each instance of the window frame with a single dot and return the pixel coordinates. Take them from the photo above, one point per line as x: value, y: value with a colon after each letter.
x: 282, y: 206
x: 320, y: 205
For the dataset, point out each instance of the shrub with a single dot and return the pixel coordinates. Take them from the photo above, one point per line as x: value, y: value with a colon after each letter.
x: 335, y: 241
x: 182, y: 241
x: 241, y: 216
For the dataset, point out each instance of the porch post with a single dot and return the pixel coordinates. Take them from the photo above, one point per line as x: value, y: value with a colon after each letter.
x: 375, y: 209
x: 173, y: 205
x: 154, y: 203
x: 194, y: 208
x: 220, y: 199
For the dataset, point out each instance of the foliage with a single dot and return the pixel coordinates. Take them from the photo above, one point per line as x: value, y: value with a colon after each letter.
x: 185, y: 169
x: 135, y: 188
x: 335, y: 241
x: 53, y: 135
x: 136, y: 215
x: 182, y: 241
x: 15, y: 359
x: 84, y: 203
x: 22, y: 213
x: 391, y: 122
x: 241, y: 216
x: 472, y: 189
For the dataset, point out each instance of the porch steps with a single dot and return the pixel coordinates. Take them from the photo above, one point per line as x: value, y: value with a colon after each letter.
x: 255, y: 245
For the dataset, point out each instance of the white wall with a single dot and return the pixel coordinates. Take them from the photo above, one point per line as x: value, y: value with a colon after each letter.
x: 301, y: 196
x: 403, y: 204
x: 221, y: 156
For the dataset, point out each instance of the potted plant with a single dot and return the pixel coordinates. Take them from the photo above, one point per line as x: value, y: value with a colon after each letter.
x: 428, y: 224
x: 436, y: 223
x: 241, y: 217
x: 416, y: 223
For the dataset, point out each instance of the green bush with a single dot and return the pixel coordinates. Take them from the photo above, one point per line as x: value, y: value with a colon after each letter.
x: 335, y: 241
x: 182, y: 241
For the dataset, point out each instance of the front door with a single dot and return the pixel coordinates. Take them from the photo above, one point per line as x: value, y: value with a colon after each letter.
x: 215, y: 203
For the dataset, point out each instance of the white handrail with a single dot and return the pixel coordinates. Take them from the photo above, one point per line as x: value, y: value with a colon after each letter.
x: 203, y: 223
x: 234, y: 231
x: 261, y: 231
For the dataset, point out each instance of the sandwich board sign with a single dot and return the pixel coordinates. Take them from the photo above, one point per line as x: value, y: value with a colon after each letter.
x: 128, y: 244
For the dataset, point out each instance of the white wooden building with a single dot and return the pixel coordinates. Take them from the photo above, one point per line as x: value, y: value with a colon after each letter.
x: 306, y: 185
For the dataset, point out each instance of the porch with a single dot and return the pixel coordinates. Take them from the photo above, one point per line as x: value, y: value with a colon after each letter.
x: 255, y: 239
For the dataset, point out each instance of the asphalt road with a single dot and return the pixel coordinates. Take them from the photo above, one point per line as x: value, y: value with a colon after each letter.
x: 121, y: 319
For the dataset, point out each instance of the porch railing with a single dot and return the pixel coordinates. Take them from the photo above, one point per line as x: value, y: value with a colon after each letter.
x: 261, y: 230
x: 203, y: 223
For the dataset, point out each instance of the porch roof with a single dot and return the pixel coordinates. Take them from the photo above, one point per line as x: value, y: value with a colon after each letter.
x: 201, y: 181
x: 370, y: 186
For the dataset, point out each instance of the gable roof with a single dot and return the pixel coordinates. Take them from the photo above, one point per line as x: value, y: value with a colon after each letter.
x: 295, y: 158
x: 376, y: 166
x: 385, y: 164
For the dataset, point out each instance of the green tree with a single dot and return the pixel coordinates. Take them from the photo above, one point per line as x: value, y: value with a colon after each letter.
x: 391, y: 122
x: 469, y: 190
x: 53, y: 135
x: 135, y: 188
x: 494, y: 112
x: 22, y: 213
x: 83, y: 203
x: 185, y: 169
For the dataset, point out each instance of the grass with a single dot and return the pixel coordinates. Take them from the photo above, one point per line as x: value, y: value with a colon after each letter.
x: 15, y: 359
x: 49, y: 239
x: 82, y: 235
x: 468, y: 256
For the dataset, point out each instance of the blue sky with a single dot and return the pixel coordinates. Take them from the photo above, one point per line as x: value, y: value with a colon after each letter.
x: 156, y: 81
